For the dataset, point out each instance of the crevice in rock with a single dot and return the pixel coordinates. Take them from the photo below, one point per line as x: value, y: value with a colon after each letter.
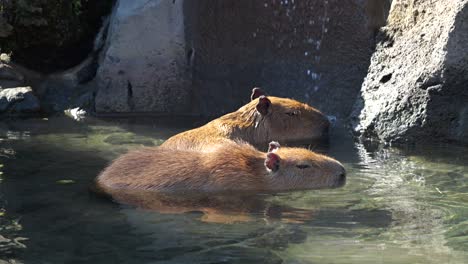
x: 190, y: 57
x: 130, y: 103
x: 386, y: 78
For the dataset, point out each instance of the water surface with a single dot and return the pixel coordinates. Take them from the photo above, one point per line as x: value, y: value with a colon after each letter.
x: 398, y: 206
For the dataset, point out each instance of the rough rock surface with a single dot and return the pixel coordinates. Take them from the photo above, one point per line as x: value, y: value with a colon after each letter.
x: 144, y: 66
x: 18, y: 100
x: 205, y: 56
x: 417, y: 84
x: 314, y: 51
x: 9, y: 77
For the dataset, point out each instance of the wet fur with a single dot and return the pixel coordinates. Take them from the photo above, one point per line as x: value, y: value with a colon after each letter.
x: 229, y: 166
x: 249, y: 125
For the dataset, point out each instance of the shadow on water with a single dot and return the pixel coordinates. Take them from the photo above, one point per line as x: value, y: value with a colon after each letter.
x: 46, y: 188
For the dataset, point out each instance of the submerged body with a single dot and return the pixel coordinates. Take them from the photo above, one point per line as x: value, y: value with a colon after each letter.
x: 231, y: 166
x: 264, y: 119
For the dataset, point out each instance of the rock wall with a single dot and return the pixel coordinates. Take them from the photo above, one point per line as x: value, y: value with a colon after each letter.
x: 416, y: 88
x: 314, y: 51
x: 205, y: 56
x: 144, y: 66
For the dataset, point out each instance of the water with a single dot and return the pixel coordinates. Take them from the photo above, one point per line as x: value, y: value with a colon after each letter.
x: 399, y: 206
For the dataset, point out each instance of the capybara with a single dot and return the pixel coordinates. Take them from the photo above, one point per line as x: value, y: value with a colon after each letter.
x: 229, y: 166
x: 264, y: 119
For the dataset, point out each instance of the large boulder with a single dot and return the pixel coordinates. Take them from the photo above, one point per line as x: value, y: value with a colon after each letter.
x: 416, y: 87
x: 18, y: 100
x: 144, y: 66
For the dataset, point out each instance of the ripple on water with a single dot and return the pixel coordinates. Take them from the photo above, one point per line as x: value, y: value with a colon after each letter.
x: 398, y: 206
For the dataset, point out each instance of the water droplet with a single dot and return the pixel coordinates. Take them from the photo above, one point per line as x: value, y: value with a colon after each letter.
x: 306, y: 53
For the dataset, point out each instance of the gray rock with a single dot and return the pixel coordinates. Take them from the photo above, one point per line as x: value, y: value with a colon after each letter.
x: 77, y: 113
x: 416, y: 87
x: 314, y: 51
x: 5, y: 58
x: 73, y: 88
x: 7, y: 72
x: 143, y: 66
x: 205, y: 56
x: 18, y: 100
x: 12, y: 75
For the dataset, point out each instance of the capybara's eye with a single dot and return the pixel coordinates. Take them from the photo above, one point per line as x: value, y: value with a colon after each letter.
x: 303, y: 166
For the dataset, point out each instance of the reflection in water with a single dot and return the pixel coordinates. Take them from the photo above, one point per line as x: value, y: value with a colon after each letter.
x: 407, y: 206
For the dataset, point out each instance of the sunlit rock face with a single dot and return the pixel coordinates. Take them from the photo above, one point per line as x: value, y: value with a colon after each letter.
x: 416, y: 88
x: 205, y: 56
x: 143, y: 66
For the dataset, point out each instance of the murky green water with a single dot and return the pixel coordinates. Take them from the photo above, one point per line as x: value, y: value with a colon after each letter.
x: 399, y: 206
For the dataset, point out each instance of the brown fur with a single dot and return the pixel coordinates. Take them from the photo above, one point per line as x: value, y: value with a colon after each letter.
x: 230, y: 166
x: 179, y: 181
x: 286, y: 119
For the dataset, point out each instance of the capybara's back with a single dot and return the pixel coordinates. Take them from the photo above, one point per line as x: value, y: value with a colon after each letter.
x: 262, y: 120
x: 231, y: 166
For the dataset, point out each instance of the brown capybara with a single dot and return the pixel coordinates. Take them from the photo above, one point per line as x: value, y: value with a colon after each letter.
x: 230, y: 166
x: 264, y: 119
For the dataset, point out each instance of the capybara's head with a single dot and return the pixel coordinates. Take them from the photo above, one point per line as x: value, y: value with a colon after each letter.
x: 284, y: 119
x: 298, y: 168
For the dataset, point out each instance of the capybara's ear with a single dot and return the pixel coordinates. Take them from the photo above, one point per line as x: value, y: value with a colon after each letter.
x: 272, y: 161
x: 273, y: 146
x: 256, y: 93
x: 263, y: 105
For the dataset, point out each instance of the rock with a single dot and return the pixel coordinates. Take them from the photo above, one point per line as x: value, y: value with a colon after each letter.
x: 314, y: 51
x: 18, y: 100
x: 143, y: 66
x: 76, y: 113
x: 205, y: 56
x: 73, y: 88
x: 67, y: 90
x: 416, y: 87
x: 7, y: 72
x: 5, y: 58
